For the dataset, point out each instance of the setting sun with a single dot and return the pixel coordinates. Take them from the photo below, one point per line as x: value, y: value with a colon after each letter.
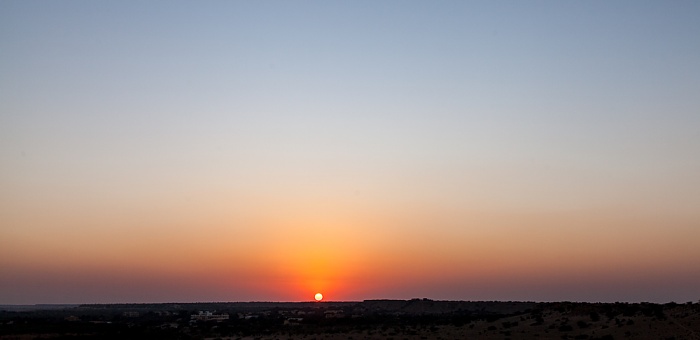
x: 318, y: 296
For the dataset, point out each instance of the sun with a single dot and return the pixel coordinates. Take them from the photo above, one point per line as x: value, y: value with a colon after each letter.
x: 318, y: 296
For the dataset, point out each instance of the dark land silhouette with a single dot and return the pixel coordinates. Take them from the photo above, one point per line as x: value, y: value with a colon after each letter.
x: 369, y: 319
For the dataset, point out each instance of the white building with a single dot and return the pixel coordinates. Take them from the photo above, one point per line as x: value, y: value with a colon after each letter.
x: 208, y: 316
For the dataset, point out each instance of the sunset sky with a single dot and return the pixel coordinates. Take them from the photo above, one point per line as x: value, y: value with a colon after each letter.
x: 157, y: 151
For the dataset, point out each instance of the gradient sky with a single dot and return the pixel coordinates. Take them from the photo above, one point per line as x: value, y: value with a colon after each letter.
x: 269, y: 150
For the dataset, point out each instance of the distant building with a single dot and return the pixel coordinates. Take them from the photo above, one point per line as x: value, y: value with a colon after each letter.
x: 208, y: 316
x: 169, y: 325
x: 334, y: 314
x: 131, y: 314
x: 248, y: 316
x: 293, y: 321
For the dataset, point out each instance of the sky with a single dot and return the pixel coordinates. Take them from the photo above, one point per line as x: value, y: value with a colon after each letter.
x: 269, y: 150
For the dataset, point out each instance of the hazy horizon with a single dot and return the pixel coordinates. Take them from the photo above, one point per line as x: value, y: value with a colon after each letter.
x: 312, y: 301
x: 228, y: 151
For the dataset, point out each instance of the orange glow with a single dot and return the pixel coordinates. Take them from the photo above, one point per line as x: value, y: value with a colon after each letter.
x: 348, y: 254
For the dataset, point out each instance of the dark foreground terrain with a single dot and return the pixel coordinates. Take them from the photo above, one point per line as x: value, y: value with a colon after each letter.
x: 370, y: 319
